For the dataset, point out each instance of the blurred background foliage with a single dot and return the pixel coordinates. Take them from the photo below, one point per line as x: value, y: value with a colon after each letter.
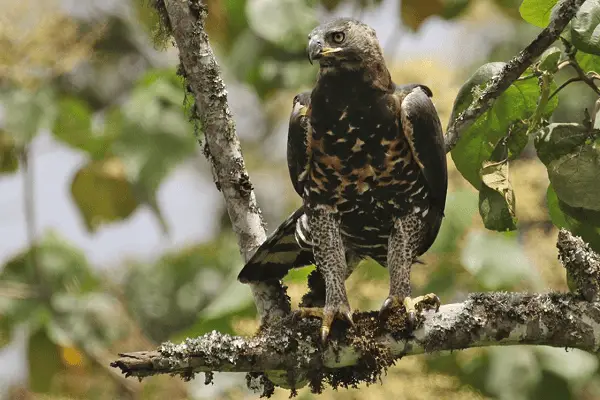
x: 97, y: 83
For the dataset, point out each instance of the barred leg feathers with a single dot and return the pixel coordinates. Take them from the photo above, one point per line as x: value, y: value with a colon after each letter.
x: 279, y: 253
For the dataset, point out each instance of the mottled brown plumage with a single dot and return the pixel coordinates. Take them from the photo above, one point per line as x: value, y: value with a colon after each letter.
x: 368, y: 159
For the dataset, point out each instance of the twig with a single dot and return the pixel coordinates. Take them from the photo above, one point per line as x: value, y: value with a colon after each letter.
x: 563, y: 13
x: 203, y: 77
x: 564, y: 85
x: 583, y: 76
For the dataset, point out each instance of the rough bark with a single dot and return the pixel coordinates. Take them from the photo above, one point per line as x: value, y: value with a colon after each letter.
x: 561, y: 15
x: 560, y: 320
x: 185, y: 19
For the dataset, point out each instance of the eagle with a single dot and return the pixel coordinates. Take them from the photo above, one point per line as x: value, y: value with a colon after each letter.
x: 367, y: 158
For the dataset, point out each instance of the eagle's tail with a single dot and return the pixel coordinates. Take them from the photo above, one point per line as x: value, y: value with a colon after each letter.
x: 279, y: 253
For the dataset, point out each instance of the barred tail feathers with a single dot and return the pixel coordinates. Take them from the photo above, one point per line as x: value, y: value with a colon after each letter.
x: 278, y: 254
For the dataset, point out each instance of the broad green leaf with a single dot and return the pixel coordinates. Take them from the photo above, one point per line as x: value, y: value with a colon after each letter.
x: 571, y: 154
x: 44, y: 363
x: 585, y: 32
x: 588, y: 62
x: 73, y: 126
x: 414, y: 12
x: 27, y: 112
x: 284, y: 23
x: 496, y: 197
x: 476, y: 144
x: 581, y: 222
x: 9, y: 160
x: 537, y: 12
x: 103, y: 193
x: 549, y: 60
x: 517, y: 139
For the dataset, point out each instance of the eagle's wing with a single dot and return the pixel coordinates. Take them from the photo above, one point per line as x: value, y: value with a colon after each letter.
x: 281, y: 252
x: 421, y: 126
x: 297, y: 136
x: 278, y: 254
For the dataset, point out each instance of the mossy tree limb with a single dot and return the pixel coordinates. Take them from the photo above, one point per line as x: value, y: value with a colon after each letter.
x: 559, y: 320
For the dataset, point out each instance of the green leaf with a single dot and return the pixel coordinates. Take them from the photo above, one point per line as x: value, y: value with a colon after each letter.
x: 517, y: 139
x: 549, y: 60
x: 581, y: 222
x: 9, y: 158
x: 584, y: 27
x: 588, y: 62
x: 73, y: 126
x: 27, y: 112
x: 103, y: 193
x: 44, y: 362
x: 537, y: 12
x: 476, y: 144
x: 571, y: 154
x: 284, y: 23
x: 496, y: 197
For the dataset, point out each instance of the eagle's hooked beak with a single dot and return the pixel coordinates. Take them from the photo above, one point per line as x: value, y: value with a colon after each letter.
x: 316, y: 49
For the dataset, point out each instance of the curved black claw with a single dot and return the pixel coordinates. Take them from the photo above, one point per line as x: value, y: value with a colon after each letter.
x: 411, y: 306
x: 327, y: 315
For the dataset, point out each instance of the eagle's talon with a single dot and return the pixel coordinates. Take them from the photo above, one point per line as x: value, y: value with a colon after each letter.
x: 327, y: 315
x: 411, y: 306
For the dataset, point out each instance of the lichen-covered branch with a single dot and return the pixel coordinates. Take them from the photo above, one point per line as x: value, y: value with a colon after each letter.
x: 185, y: 21
x: 564, y: 12
x: 560, y: 320
x: 582, y: 265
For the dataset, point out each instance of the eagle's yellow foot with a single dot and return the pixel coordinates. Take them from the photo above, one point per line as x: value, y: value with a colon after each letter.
x: 327, y: 315
x: 411, y: 305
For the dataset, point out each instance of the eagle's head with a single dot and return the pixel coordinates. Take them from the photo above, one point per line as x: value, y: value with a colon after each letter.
x: 344, y: 43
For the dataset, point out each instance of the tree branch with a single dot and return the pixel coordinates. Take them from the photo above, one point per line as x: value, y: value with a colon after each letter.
x: 560, y: 320
x: 290, y: 354
x: 564, y: 12
x: 185, y: 20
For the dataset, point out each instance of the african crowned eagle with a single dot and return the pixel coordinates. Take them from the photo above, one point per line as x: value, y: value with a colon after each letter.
x: 367, y: 157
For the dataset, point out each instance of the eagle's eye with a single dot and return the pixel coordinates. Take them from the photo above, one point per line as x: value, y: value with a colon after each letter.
x: 338, y: 37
